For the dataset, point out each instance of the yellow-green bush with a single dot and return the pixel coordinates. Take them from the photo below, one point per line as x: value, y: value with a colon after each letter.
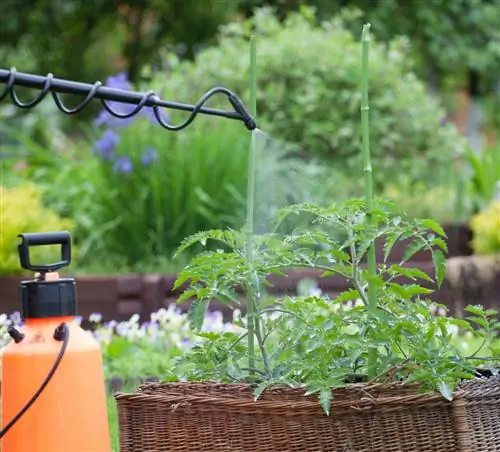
x: 486, y: 230
x: 22, y: 210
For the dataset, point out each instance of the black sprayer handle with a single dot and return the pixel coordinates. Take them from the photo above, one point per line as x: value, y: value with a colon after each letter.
x: 62, y: 238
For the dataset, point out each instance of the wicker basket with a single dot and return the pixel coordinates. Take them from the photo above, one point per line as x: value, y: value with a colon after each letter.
x: 477, y: 414
x: 208, y: 417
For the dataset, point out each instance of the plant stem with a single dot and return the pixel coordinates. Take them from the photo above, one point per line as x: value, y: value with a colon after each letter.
x: 250, y: 213
x: 367, y: 169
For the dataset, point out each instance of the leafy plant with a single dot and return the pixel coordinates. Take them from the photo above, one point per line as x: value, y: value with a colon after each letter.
x: 315, y: 340
x: 484, y: 177
x: 22, y: 210
x: 420, y: 200
x: 390, y: 334
x: 314, y: 102
x: 485, y: 226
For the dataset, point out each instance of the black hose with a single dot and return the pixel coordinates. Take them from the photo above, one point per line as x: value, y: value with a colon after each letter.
x: 60, y: 334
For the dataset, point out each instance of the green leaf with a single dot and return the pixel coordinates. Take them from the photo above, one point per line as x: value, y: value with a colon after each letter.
x: 475, y: 309
x: 260, y: 389
x: 409, y: 291
x: 439, y: 262
x: 415, y: 247
x: 434, y: 226
x: 461, y: 323
x: 411, y: 273
x: 479, y: 321
x: 325, y: 400
x: 440, y: 243
x: 460, y: 375
x: 388, y: 245
x: 196, y: 314
x: 445, y: 390
x: 350, y: 294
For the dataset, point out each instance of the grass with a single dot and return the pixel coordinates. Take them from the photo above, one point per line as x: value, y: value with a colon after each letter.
x: 113, y: 423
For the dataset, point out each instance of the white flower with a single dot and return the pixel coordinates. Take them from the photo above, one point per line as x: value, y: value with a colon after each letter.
x: 95, y: 317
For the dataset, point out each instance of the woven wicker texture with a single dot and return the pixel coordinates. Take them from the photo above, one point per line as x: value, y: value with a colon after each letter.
x: 196, y: 417
x: 479, y: 401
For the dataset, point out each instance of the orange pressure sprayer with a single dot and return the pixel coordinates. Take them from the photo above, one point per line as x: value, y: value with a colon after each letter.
x: 53, y: 393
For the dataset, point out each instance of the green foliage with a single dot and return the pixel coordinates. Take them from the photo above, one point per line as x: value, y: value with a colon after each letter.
x: 484, y: 177
x: 314, y: 101
x: 485, y: 227
x: 420, y: 200
x: 321, y: 342
x: 23, y: 210
x: 65, y: 39
x: 450, y: 37
x: 461, y: 34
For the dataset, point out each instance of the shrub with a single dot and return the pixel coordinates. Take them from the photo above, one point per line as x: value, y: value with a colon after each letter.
x: 308, y: 93
x: 486, y: 230
x: 22, y: 210
x: 419, y: 200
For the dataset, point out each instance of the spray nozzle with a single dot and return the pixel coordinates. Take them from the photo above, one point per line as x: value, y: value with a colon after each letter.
x: 62, y: 238
x: 240, y: 108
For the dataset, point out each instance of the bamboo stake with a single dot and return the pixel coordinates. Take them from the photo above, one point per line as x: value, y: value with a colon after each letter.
x: 250, y: 210
x: 368, y: 176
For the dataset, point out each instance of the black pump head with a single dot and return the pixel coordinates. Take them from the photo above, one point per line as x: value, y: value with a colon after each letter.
x: 62, y: 238
x: 45, y: 297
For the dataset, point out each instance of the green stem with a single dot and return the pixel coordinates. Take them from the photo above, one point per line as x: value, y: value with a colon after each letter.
x: 368, y: 174
x: 250, y: 213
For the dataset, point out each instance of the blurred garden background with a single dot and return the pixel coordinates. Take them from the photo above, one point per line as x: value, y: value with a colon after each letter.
x: 129, y: 191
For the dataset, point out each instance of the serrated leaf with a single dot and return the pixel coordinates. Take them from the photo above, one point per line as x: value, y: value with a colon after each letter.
x: 325, y: 400
x: 479, y: 321
x: 461, y: 323
x: 440, y: 243
x: 460, y: 375
x: 439, y: 262
x: 350, y: 294
x: 412, y: 249
x: 260, y: 389
x: 196, y: 314
x: 409, y: 291
x: 434, y: 226
x: 475, y: 309
x: 389, y: 244
x: 186, y: 295
x: 445, y: 390
x: 411, y: 273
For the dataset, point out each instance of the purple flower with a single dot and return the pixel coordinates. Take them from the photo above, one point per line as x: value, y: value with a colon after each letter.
x: 123, y: 164
x: 149, y: 156
x: 107, y: 119
x: 119, y: 81
x: 106, y: 144
x: 16, y: 319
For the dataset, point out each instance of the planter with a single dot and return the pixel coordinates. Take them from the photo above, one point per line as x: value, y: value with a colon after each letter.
x: 477, y: 409
x: 191, y: 417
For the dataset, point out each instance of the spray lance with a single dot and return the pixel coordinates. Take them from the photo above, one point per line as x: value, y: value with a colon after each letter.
x: 53, y: 393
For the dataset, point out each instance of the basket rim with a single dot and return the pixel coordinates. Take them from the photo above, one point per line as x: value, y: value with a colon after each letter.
x: 357, y: 396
